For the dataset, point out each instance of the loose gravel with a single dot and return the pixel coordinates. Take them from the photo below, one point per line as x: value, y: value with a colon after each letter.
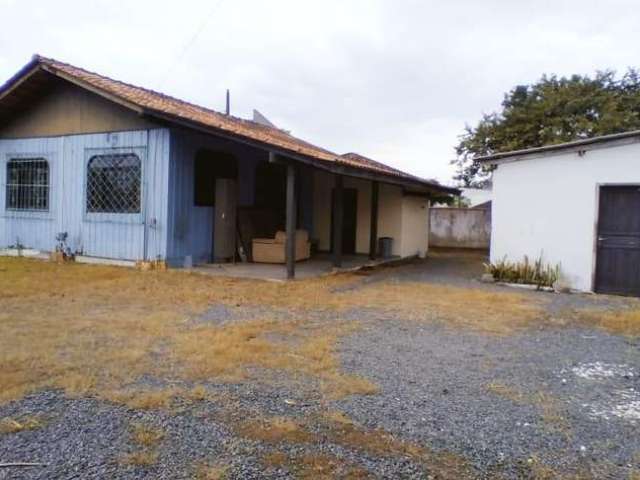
x: 567, y: 398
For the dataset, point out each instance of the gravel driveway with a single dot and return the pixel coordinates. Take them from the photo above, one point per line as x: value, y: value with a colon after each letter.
x: 543, y: 403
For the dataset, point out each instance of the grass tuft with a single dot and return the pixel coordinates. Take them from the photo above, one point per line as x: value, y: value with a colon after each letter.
x: 142, y: 399
x: 146, y: 435
x: 211, y: 472
x: 275, y: 430
x: 140, y: 458
x: 28, y: 422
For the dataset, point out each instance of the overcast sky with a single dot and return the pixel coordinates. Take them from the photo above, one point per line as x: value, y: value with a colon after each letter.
x: 393, y: 80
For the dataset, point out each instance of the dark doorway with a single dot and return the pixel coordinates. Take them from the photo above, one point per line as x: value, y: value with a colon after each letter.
x: 208, y: 166
x: 271, y: 186
x: 269, y: 210
x: 618, y: 247
x: 215, y: 176
x: 349, y: 220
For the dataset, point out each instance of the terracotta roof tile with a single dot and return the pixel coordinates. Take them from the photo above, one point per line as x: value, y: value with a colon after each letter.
x: 153, y: 102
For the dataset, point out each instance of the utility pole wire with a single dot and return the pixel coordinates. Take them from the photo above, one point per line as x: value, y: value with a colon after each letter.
x: 191, y: 41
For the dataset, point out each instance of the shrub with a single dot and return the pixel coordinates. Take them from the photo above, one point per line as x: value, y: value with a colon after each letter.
x: 525, y: 272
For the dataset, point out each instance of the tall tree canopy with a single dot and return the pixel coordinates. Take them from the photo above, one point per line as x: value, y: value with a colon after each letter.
x: 552, y: 110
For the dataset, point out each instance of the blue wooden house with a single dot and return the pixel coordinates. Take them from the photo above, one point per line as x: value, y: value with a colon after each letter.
x: 126, y: 173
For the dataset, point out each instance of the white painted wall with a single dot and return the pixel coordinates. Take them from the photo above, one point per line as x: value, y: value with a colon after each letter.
x: 548, y: 204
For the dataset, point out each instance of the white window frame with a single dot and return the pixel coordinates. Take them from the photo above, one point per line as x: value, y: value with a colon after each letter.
x: 101, y: 217
x: 47, y: 214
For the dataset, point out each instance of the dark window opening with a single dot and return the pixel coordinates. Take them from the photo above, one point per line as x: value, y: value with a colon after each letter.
x: 27, y: 184
x: 208, y: 166
x: 271, y: 186
x: 114, y: 183
x: 271, y: 197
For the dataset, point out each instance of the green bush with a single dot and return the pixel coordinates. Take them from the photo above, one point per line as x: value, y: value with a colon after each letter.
x: 525, y: 272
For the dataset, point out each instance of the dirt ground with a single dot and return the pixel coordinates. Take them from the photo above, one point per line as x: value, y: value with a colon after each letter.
x: 412, y: 371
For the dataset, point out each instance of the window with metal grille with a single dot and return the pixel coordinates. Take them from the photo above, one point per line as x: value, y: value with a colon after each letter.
x: 27, y: 184
x: 113, y: 183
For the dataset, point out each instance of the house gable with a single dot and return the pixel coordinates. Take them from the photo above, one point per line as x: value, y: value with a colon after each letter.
x: 64, y: 109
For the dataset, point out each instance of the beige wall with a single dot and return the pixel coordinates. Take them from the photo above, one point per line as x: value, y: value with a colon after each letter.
x: 405, y: 219
x: 415, y: 226
x: 68, y: 109
x: 390, y: 216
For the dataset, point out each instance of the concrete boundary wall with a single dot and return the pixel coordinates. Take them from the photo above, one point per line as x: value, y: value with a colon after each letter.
x: 460, y: 227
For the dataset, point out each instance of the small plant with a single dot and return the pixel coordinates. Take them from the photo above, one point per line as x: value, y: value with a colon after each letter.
x: 525, y: 272
x: 18, y: 246
x: 62, y: 247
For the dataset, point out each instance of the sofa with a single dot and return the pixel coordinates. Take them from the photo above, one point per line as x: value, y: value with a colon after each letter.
x: 272, y: 250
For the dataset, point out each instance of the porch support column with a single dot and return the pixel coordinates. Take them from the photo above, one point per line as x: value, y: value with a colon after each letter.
x: 338, y: 215
x: 290, y: 246
x: 373, y: 230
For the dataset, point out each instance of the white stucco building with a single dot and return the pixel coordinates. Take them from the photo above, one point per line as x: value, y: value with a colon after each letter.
x: 578, y: 205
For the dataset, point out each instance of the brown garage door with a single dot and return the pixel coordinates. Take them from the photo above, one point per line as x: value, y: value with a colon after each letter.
x: 618, y: 254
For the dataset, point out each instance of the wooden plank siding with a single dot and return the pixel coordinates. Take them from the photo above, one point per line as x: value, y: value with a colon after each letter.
x: 123, y: 237
x: 67, y: 110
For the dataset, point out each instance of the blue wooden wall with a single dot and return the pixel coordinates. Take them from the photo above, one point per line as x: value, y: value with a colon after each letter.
x: 117, y: 236
x: 191, y: 227
x: 169, y: 226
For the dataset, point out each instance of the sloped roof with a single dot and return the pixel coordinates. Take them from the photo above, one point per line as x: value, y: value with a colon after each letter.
x: 168, y: 108
x: 575, y: 144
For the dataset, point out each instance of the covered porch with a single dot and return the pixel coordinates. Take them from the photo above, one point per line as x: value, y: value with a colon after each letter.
x: 232, y: 201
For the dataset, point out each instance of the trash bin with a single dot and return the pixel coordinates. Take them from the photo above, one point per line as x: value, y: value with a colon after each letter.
x: 385, y: 247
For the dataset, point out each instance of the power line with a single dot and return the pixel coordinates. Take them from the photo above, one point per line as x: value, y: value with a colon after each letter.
x: 191, y: 41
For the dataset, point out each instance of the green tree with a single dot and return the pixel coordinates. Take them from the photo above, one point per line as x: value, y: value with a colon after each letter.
x: 552, y: 110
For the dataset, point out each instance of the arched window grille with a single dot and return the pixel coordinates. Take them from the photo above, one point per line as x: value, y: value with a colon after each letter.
x: 114, y: 183
x: 27, y: 184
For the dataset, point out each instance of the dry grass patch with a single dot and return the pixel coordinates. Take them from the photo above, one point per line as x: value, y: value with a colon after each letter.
x: 335, y: 427
x: 625, y: 322
x: 550, y: 408
x: 275, y: 460
x: 94, y: 330
x: 506, y: 391
x: 27, y: 422
x: 211, y: 472
x: 140, y: 458
x: 342, y: 431
x: 275, y: 430
x: 317, y: 357
x: 477, y: 309
x: 318, y: 466
x: 199, y: 393
x: 146, y: 435
x: 226, y: 351
x: 142, y: 399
